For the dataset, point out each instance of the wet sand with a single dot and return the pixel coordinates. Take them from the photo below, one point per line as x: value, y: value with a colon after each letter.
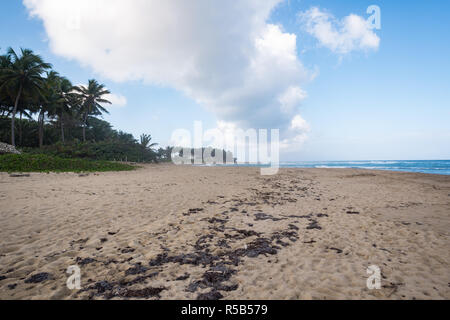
x: 167, y: 232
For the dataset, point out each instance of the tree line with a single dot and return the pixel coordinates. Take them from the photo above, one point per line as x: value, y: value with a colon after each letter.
x: 44, y: 110
x: 28, y: 86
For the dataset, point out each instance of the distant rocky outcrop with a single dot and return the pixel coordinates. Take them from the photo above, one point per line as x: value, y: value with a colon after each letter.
x: 6, y: 148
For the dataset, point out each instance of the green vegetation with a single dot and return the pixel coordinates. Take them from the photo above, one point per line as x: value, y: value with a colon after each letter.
x: 104, y: 150
x: 41, y: 112
x: 22, y: 81
x: 50, y: 120
x: 44, y: 163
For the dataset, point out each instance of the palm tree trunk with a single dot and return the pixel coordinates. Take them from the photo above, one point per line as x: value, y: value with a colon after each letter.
x: 62, y: 127
x: 20, y: 129
x: 84, y: 128
x: 41, y: 129
x: 13, y: 118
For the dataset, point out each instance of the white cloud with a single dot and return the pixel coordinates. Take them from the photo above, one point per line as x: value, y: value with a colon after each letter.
x: 222, y: 54
x: 352, y: 33
x: 116, y: 100
x: 298, y: 123
x: 298, y: 134
x: 291, y: 99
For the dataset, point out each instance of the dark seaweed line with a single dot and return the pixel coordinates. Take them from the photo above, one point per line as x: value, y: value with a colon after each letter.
x: 221, y: 265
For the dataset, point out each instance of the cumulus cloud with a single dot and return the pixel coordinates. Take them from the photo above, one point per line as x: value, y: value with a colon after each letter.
x: 291, y: 98
x: 222, y: 54
x: 116, y: 100
x: 352, y: 33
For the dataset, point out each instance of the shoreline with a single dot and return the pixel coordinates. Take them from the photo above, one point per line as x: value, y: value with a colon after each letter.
x: 170, y: 232
x: 377, y: 165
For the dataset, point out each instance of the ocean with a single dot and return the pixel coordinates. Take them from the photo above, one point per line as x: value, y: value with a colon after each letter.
x: 424, y: 166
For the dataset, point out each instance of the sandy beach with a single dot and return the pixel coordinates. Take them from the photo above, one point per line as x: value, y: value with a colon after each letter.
x: 170, y: 232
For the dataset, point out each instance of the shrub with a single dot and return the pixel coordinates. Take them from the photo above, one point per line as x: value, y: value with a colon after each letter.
x: 104, y: 150
x: 45, y: 163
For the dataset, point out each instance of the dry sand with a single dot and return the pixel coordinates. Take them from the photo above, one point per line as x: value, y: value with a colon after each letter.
x: 167, y: 232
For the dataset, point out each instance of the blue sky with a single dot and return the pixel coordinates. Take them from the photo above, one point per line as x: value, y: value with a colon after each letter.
x: 392, y: 102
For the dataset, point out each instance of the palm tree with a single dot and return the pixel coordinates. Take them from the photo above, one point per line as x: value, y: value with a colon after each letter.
x: 145, y: 141
x: 48, y: 101
x: 165, y: 154
x: 24, y: 110
x: 23, y: 75
x: 61, y: 99
x: 92, y: 96
x: 69, y: 102
x: 5, y: 96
